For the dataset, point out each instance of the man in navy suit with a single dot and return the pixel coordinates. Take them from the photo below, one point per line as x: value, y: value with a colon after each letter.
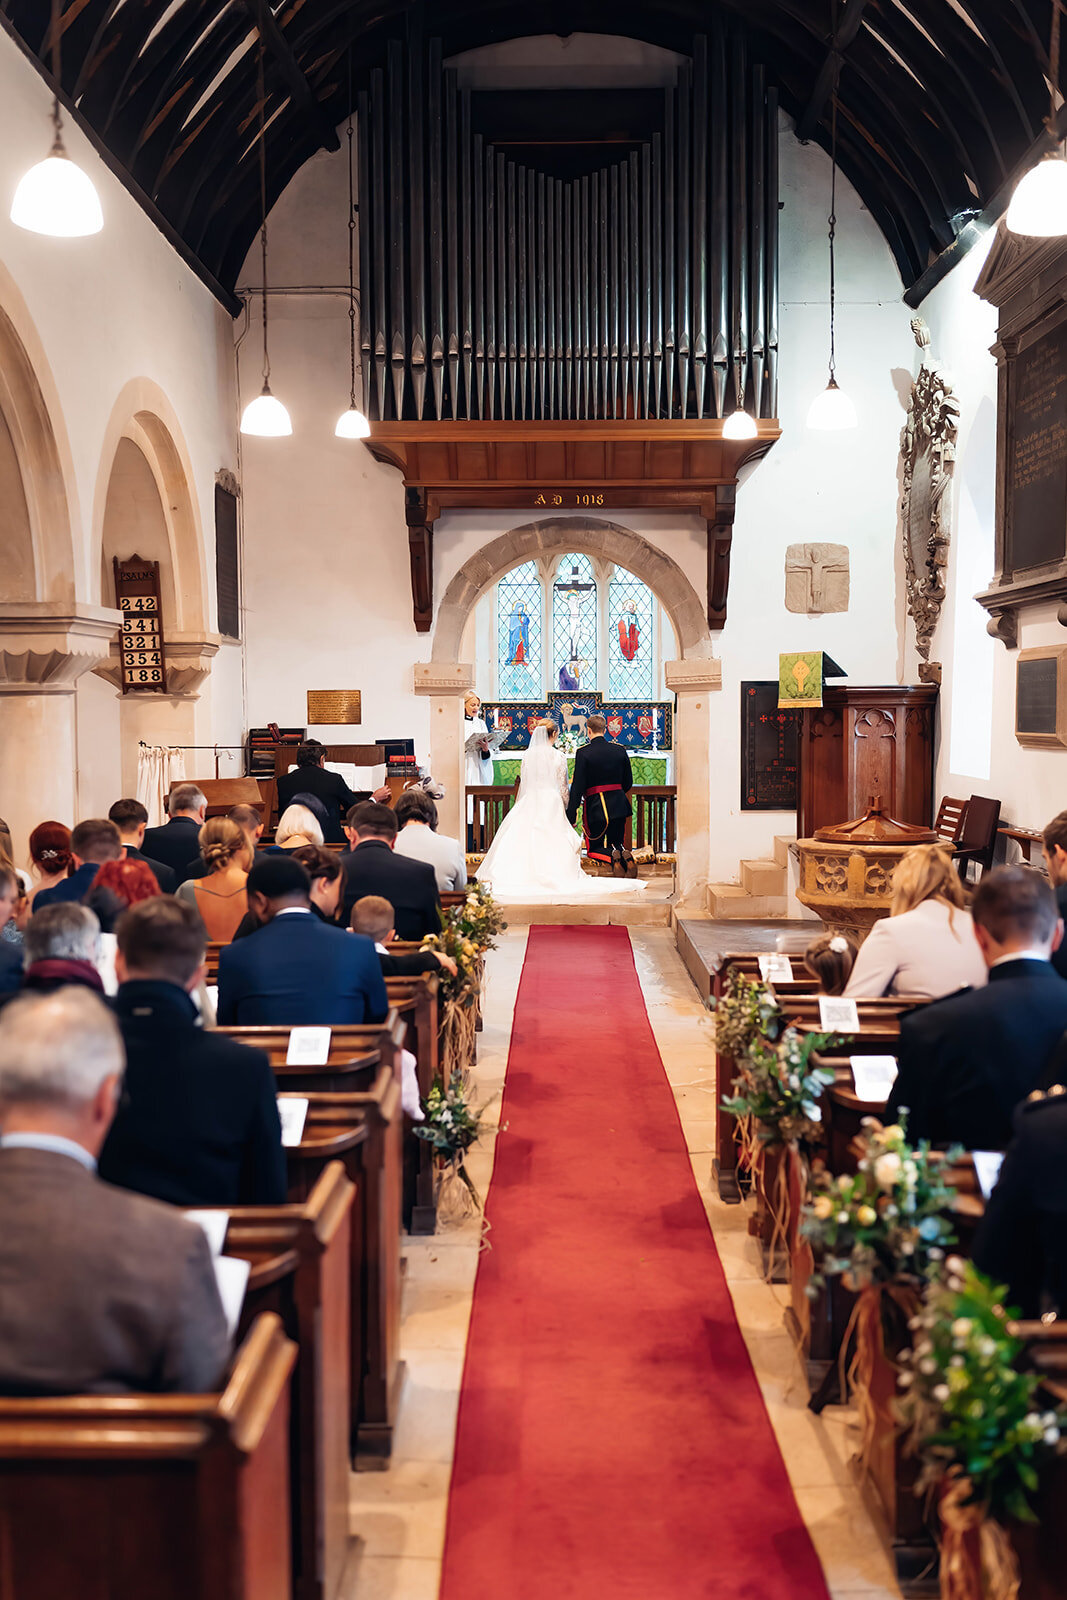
x: 177, y: 842
x: 297, y: 969
x: 197, y: 1122
x: 372, y: 867
x: 965, y: 1062
x: 91, y: 844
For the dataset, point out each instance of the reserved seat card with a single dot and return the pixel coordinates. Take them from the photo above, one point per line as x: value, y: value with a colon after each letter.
x: 987, y: 1165
x: 874, y: 1077
x: 293, y: 1110
x: 837, y: 1015
x: 308, y: 1047
x: 231, y: 1277
x: 775, y: 968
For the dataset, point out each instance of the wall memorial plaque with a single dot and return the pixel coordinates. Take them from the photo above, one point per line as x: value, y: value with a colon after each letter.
x: 770, y: 744
x: 1037, y: 472
x: 334, y: 707
x: 1041, y: 698
x: 141, y: 636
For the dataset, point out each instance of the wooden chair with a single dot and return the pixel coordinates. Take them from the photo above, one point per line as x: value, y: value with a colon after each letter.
x: 978, y: 837
x: 363, y: 1132
x: 950, y: 816
x: 167, y: 1496
x: 301, y: 1262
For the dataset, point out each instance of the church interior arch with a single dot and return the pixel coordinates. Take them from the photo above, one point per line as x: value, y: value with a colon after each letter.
x: 34, y: 510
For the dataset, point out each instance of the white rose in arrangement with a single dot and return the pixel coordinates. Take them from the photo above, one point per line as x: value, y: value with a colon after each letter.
x: 961, y: 1327
x: 887, y: 1170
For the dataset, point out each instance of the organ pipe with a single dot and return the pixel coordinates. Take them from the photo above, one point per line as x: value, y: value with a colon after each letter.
x: 491, y: 289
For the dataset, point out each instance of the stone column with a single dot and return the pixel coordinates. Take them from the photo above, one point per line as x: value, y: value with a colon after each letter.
x: 446, y: 685
x: 164, y: 718
x: 692, y: 681
x: 45, y: 647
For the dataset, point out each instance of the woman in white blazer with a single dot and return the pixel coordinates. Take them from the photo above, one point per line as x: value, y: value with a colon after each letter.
x: 926, y: 946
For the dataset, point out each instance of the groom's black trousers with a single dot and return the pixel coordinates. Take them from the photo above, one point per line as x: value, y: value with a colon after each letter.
x: 600, y: 846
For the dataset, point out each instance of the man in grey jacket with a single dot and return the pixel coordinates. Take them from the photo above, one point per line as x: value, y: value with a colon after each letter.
x: 103, y: 1292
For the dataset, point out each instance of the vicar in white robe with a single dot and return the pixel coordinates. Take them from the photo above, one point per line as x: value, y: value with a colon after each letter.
x: 479, y: 765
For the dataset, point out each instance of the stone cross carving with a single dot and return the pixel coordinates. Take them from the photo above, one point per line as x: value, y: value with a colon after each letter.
x: 816, y: 578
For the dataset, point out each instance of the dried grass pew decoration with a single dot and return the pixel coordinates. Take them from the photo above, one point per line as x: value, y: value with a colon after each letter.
x: 468, y: 932
x: 451, y: 1127
x: 775, y: 1101
x: 883, y: 1231
x: 975, y: 1422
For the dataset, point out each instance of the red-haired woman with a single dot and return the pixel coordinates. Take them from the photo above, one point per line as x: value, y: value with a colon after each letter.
x: 117, y: 885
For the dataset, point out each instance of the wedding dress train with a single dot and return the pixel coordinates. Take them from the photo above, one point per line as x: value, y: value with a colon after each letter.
x: 536, y: 852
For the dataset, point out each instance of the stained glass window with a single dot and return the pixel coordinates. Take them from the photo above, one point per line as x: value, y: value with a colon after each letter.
x: 519, y: 633
x: 574, y: 624
x: 631, y: 641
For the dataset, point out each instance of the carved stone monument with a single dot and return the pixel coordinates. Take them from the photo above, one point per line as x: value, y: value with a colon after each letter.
x: 927, y: 456
x: 816, y: 578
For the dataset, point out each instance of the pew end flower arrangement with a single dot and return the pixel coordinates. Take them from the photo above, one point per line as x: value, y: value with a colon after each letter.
x: 451, y: 1127
x: 977, y: 1424
x: 883, y: 1231
x: 468, y: 931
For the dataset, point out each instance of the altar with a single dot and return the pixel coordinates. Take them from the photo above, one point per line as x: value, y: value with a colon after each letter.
x: 644, y: 727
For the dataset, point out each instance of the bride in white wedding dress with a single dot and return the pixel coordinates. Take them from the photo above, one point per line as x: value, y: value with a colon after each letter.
x: 536, y: 851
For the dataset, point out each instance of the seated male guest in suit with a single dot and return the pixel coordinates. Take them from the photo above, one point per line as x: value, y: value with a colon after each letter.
x: 310, y: 776
x: 418, y: 838
x: 197, y: 1122
x: 104, y: 1292
x: 91, y: 844
x: 373, y: 867
x: 1054, y: 849
x: 966, y: 1061
x: 131, y: 819
x: 177, y: 842
x: 373, y: 917
x: 1022, y: 1240
x: 61, y: 945
x: 296, y: 969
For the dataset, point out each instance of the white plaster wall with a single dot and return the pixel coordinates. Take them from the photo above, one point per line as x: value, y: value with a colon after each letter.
x: 979, y: 752
x: 96, y: 315
x: 326, y: 565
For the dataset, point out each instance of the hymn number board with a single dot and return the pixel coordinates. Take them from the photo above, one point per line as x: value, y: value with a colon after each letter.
x: 141, y: 638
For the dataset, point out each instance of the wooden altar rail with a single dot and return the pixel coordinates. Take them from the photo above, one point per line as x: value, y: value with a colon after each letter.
x: 652, y: 824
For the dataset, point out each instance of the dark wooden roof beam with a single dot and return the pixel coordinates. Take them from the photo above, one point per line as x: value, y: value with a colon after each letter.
x: 847, y: 29
x: 303, y: 95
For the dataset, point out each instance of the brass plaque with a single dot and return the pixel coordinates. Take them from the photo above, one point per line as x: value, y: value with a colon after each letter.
x: 334, y: 706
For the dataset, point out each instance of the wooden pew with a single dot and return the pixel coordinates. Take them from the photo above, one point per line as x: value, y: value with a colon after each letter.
x: 362, y: 1131
x: 153, y: 1497
x: 301, y: 1261
x: 357, y: 1052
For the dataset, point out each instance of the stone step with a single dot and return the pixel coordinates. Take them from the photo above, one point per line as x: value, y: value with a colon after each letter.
x: 732, y: 900
x: 782, y: 842
x: 763, y: 877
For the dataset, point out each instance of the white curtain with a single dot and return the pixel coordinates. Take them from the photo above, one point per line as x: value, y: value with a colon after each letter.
x: 158, y: 767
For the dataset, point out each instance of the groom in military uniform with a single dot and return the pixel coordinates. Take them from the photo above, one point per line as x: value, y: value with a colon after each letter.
x: 601, y: 786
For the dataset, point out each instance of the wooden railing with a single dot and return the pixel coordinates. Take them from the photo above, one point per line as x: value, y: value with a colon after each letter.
x: 652, y: 827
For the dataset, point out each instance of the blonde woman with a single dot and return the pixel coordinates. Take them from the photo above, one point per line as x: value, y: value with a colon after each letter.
x: 926, y: 946
x: 220, y: 898
x: 297, y: 826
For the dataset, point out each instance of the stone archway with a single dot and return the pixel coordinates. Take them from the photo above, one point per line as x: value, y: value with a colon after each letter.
x: 445, y: 678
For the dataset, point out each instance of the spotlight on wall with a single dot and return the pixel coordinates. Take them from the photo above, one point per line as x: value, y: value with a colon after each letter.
x: 56, y: 197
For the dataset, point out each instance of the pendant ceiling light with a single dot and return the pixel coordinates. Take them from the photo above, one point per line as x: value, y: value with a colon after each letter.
x: 264, y: 416
x: 739, y: 424
x: 832, y: 408
x: 1039, y: 205
x: 351, y: 424
x: 56, y: 197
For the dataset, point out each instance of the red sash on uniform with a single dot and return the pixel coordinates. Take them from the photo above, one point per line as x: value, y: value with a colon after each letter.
x: 603, y: 788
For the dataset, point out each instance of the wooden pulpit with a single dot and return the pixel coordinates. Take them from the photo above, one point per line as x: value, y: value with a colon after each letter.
x: 222, y: 794
x: 867, y: 741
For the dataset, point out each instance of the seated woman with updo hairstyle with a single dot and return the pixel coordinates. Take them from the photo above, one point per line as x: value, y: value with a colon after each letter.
x: 829, y: 959
x: 50, y: 855
x: 926, y: 946
x: 220, y: 898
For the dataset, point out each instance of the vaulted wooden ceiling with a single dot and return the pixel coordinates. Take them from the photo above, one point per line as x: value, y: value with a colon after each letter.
x: 939, y: 101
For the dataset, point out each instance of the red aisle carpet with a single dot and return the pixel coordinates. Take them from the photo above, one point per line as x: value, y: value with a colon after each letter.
x: 612, y: 1441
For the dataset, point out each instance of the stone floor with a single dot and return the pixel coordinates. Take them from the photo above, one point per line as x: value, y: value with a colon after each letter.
x: 398, y: 1517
